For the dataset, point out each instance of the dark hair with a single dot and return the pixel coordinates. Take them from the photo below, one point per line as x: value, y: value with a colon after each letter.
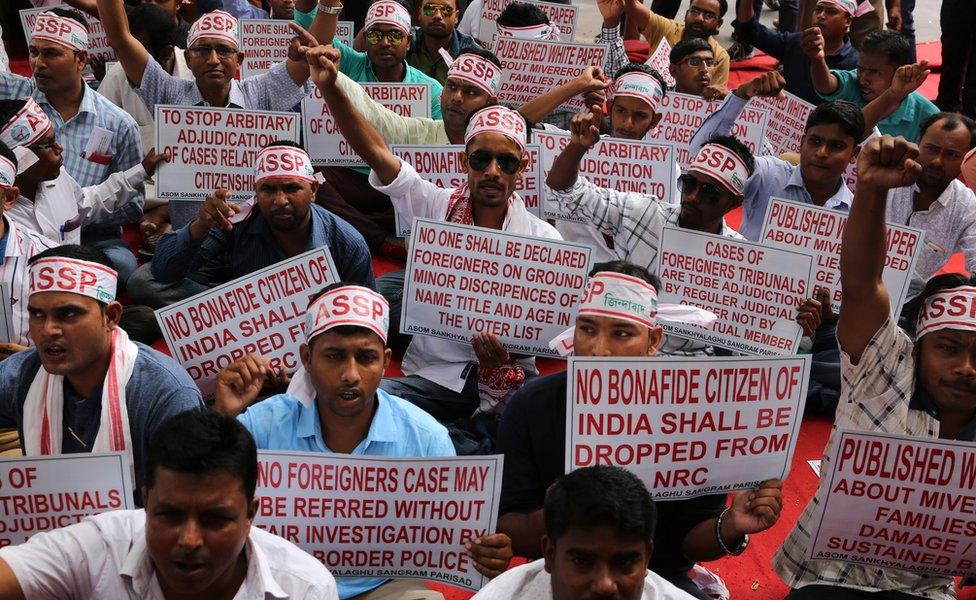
x: 894, y: 46
x: 528, y: 126
x: 70, y: 14
x: 521, y: 14
x: 341, y: 329
x: 203, y: 442
x: 945, y: 281
x: 7, y: 153
x: 688, y: 46
x: 485, y: 54
x: 154, y: 20
x: 75, y: 251
x: 839, y: 112
x: 9, y: 108
x: 952, y: 121
x: 643, y: 68
x: 735, y: 145
x: 626, y: 268
x: 600, y: 496
x: 723, y: 7
x: 287, y: 143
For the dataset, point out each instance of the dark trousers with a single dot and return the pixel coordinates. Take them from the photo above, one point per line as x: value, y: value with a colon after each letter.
x: 957, y: 82
x: 835, y: 592
x: 347, y: 194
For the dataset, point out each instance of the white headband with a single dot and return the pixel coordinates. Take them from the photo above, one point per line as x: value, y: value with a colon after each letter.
x: 497, y: 119
x: 388, y: 12
x: 541, y: 32
x: 61, y: 30
x: 283, y: 161
x: 949, y: 309
x: 851, y: 7
x: 216, y: 24
x: 26, y: 127
x: 619, y: 296
x: 8, y: 172
x: 478, y: 71
x: 62, y: 274
x: 721, y: 163
x: 348, y: 305
x: 640, y: 85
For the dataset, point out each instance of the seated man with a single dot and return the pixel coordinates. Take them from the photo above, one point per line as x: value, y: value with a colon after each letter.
x: 193, y: 540
x: 605, y: 517
x: 280, y: 222
x: 693, y: 68
x: 436, y: 29
x: 890, y: 384
x: 532, y: 435
x: 334, y: 404
x: 84, y: 378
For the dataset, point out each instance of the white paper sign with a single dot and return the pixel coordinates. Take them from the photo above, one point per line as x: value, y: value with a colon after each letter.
x: 324, y: 142
x: 213, y: 148
x: 686, y: 427
x: 818, y: 232
x: 264, y: 43
x: 623, y: 165
x: 683, y: 114
x: 531, y: 69
x: 97, y: 40
x: 462, y: 280
x: 562, y: 15
x: 261, y: 313
x: 660, y: 60
x: 754, y: 290
x: 787, y: 120
x: 441, y: 165
x: 345, y: 32
x: 41, y: 493
x: 365, y: 516
x: 899, y: 502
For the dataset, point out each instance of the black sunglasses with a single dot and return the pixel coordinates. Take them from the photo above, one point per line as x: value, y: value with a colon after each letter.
x: 707, y: 193
x: 480, y: 160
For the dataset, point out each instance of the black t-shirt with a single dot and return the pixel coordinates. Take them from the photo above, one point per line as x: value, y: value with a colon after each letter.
x: 532, y: 435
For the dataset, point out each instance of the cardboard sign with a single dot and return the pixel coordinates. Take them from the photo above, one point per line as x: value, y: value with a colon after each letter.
x: 365, y: 516
x: 660, y: 60
x: 899, y: 502
x: 562, y: 15
x: 264, y: 43
x: 617, y: 164
x: 213, y: 148
x: 462, y: 280
x: 531, y: 69
x: 41, y: 493
x: 97, y: 39
x: 441, y: 165
x: 261, y: 313
x: 683, y: 114
x: 818, y: 232
x: 686, y: 427
x: 787, y: 120
x: 754, y: 290
x: 345, y: 32
x: 324, y: 142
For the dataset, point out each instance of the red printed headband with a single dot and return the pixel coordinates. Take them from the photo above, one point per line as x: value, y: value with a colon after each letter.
x: 542, y: 32
x: 389, y: 12
x: 721, y: 163
x: 283, y: 161
x: 216, y: 24
x: 640, y: 85
x: 348, y: 305
x: 948, y: 309
x: 8, y: 172
x: 478, y: 71
x: 63, y: 274
x: 61, y: 30
x: 497, y: 119
x: 26, y: 127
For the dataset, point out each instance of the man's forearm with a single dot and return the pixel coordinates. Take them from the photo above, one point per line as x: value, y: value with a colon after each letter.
x: 565, y: 169
x: 361, y: 136
x: 745, y: 11
x: 701, y: 545
x: 862, y: 254
x: 525, y: 530
x: 823, y: 80
x: 540, y: 107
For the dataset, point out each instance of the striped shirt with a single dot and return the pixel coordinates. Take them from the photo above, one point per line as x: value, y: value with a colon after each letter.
x: 19, y: 246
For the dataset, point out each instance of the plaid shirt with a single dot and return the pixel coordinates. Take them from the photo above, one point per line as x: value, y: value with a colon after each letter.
x: 616, y: 54
x: 876, y: 395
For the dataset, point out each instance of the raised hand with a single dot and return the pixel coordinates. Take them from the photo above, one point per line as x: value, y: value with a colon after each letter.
x: 812, y: 43
x: 239, y: 384
x: 490, y: 351
x: 585, y: 127
x: 909, y: 78
x: 770, y: 84
x: 323, y: 65
x: 216, y: 211
x: 756, y: 510
x: 888, y: 162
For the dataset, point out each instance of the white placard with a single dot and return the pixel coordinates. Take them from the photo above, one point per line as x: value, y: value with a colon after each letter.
x: 686, y: 427
x: 97, y: 39
x: 754, y: 290
x: 366, y: 516
x: 345, y: 32
x: 899, y: 502
x: 41, y: 493
x: 264, y: 43
x: 787, y: 120
x: 660, y: 60
x: 531, y: 69
x: 261, y: 313
x: 562, y: 15
x: 213, y: 148
x: 462, y: 280
x: 325, y: 144
x: 815, y: 467
x: 818, y: 232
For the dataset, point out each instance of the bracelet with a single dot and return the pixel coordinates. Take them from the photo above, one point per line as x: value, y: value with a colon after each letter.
x: 740, y: 548
x: 330, y: 10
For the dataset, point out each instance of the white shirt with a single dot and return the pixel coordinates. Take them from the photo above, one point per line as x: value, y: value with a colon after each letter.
x: 532, y: 582
x: 949, y: 225
x: 21, y: 246
x: 435, y: 359
x: 105, y: 556
x: 61, y: 207
x: 471, y: 21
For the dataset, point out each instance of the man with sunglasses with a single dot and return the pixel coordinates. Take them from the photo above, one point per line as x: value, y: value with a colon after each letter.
x: 436, y: 29
x: 449, y: 379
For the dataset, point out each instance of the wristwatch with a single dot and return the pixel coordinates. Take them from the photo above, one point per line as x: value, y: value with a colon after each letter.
x: 330, y: 10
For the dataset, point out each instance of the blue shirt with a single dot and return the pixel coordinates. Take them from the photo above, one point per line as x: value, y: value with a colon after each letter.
x: 771, y: 177
x: 907, y: 119
x: 796, y: 64
x: 398, y: 429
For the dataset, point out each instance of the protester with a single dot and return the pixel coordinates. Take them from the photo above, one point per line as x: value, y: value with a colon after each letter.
x: 603, y: 517
x: 229, y: 240
x: 870, y: 18
x: 890, y: 384
x: 277, y: 9
x: 532, y: 435
x: 98, y: 138
x: 692, y: 67
x: 436, y: 30
x: 170, y: 7
x: 957, y: 80
x: 84, y: 386
x: 939, y: 203
x: 194, y: 538
x: 334, y: 404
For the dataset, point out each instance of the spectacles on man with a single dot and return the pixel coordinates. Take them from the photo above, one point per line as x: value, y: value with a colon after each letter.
x: 698, y: 61
x: 431, y: 9
x: 394, y: 36
x: 706, y: 15
x: 706, y: 192
x: 480, y: 160
x: 203, y: 50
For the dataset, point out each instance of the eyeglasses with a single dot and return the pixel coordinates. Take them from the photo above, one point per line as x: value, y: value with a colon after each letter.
x: 706, y: 192
x: 704, y: 14
x: 222, y: 51
x: 480, y: 160
x: 698, y: 61
x: 431, y: 9
x: 394, y: 36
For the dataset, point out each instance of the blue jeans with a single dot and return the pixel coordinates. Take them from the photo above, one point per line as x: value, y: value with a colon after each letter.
x: 144, y: 289
x: 443, y: 404
x: 118, y: 251
x: 823, y: 392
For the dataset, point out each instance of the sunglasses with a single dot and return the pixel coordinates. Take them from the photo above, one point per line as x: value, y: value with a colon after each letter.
x: 697, y: 61
x: 394, y: 36
x: 222, y: 51
x: 480, y: 160
x: 706, y: 192
x: 431, y: 9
